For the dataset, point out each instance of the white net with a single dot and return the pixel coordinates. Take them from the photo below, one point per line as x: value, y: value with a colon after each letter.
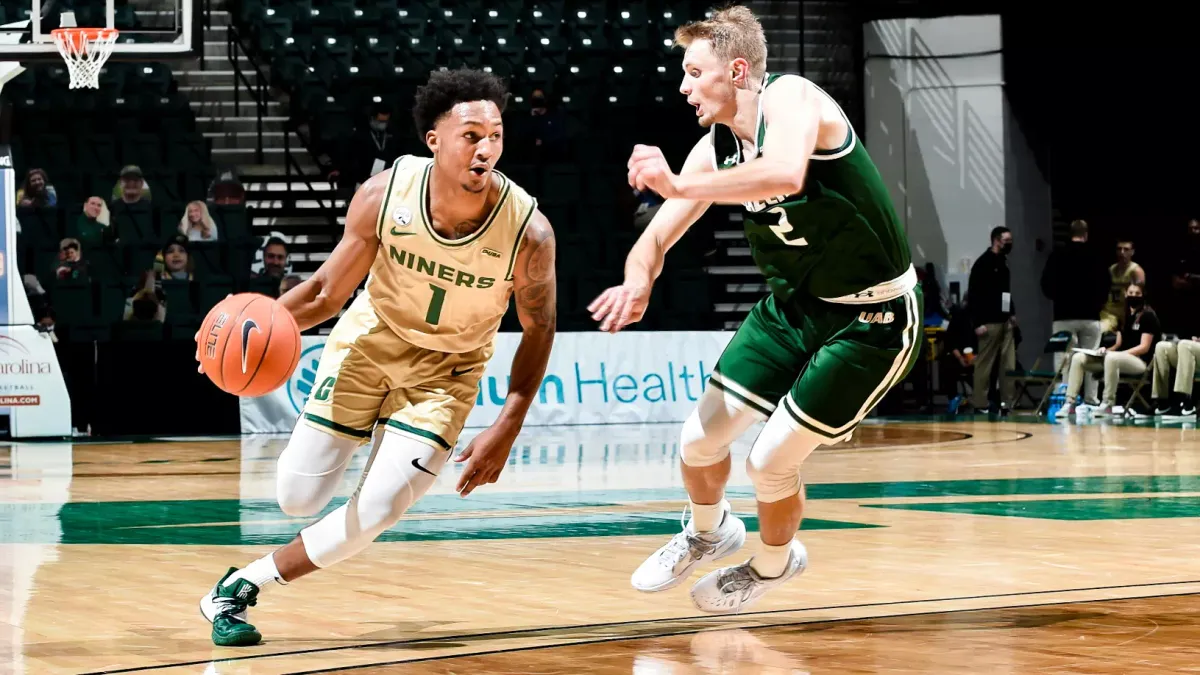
x: 85, y: 50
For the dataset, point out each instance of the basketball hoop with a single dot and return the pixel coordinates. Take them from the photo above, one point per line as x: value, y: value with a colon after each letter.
x: 85, y: 50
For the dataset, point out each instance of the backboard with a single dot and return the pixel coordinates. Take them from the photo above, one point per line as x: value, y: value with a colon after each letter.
x: 150, y: 30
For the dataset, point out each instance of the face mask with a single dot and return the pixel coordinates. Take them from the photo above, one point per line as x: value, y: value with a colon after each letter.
x: 538, y: 101
x: 1006, y: 249
x: 1135, y: 304
x: 378, y: 125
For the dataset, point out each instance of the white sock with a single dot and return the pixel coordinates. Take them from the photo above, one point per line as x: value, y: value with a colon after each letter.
x: 260, y: 572
x: 707, y: 517
x: 771, y: 561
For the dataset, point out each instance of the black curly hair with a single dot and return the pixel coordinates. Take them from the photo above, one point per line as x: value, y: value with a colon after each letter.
x: 447, y: 88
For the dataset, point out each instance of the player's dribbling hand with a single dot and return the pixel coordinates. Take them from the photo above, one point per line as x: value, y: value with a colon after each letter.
x: 485, y: 456
x: 196, y: 337
x: 648, y: 169
x: 620, y: 306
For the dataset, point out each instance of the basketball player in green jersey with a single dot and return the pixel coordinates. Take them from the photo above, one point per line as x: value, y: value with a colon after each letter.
x: 841, y: 324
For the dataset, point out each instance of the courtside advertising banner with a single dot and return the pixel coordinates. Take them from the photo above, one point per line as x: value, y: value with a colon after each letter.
x: 33, y: 393
x: 592, y: 378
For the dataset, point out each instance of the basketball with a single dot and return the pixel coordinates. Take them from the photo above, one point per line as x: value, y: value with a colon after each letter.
x: 249, y: 344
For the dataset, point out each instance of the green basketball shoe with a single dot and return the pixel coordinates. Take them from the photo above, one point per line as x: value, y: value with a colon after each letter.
x: 225, y: 608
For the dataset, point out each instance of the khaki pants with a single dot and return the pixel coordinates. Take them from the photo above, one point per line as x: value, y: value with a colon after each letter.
x: 1182, y: 357
x: 995, y: 346
x: 1085, y: 334
x: 1112, y: 364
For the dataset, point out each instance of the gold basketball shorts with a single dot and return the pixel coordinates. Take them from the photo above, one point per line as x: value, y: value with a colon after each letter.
x: 369, y: 375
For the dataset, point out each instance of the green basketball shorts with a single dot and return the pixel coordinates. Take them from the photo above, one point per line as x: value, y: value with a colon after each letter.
x: 827, y: 364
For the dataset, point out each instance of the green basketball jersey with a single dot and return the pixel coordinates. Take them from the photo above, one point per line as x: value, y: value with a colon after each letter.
x: 839, y: 239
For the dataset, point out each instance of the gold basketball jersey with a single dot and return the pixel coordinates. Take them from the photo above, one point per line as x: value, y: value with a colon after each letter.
x: 445, y: 295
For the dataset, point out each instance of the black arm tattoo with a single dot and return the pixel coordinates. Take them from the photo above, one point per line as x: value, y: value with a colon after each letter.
x: 536, y: 288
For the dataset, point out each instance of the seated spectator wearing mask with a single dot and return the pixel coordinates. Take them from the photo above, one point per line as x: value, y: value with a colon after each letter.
x: 1130, y: 355
x: 197, y: 224
x: 37, y: 191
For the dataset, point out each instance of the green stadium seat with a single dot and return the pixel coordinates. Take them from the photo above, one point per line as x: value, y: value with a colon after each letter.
x: 208, y: 259
x: 213, y: 290
x: 113, y: 294
x: 42, y: 227
x: 134, y: 223
x: 72, y: 301
x: 138, y: 331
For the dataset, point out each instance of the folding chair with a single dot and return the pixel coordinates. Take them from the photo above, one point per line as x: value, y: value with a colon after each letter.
x: 1058, y: 343
x: 1138, y: 383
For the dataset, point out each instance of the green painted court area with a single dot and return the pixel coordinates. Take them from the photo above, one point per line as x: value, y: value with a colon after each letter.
x: 524, y: 515
x: 1123, y: 508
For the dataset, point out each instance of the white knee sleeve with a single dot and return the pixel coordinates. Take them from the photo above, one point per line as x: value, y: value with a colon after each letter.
x: 774, y: 462
x: 400, y: 472
x: 716, y: 422
x: 310, y: 468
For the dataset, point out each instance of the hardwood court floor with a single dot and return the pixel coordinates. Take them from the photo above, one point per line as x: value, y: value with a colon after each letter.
x: 935, y: 547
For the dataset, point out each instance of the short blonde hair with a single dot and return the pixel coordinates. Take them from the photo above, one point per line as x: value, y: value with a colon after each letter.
x: 733, y: 32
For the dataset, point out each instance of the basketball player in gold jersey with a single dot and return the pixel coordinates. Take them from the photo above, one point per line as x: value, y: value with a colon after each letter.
x: 446, y: 240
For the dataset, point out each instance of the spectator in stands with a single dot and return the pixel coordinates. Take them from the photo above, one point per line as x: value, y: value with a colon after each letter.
x: 131, y: 187
x: 91, y: 226
x: 70, y: 265
x: 993, y: 314
x: 370, y: 149
x: 177, y: 264
x: 1185, y: 278
x: 1173, y: 398
x: 226, y: 189
x: 197, y: 224
x: 39, y: 303
x: 289, y: 282
x: 1130, y: 355
x: 1076, y: 280
x: 548, y: 127
x: 1123, y: 273
x: 275, y: 259
x: 148, y: 303
x: 37, y: 191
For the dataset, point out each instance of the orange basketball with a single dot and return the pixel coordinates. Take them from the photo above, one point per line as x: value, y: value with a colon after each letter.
x: 249, y: 344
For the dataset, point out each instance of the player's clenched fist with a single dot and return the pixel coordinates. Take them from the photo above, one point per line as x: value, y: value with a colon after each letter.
x: 648, y: 170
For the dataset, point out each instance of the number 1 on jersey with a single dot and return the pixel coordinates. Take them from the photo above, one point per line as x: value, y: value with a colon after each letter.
x: 784, y: 227
x: 434, y: 313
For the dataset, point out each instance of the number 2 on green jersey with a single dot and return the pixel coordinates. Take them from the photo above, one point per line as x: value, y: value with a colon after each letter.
x: 784, y: 227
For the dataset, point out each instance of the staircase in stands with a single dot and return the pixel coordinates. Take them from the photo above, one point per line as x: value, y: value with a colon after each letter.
x: 302, y: 208
x: 813, y: 38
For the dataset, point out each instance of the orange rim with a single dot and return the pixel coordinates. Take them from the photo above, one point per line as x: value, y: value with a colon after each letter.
x: 78, y: 38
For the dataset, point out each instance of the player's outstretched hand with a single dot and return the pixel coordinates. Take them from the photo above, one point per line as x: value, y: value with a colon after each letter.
x: 620, y: 306
x: 648, y: 169
x: 485, y: 456
x: 199, y: 366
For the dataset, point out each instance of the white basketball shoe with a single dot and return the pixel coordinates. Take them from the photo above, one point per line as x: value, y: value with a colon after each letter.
x: 732, y: 589
x: 673, y: 563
